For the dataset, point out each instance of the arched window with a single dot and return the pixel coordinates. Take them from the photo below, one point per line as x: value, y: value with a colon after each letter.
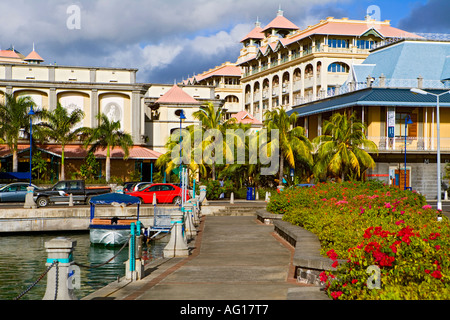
x: 338, y: 67
x: 232, y: 99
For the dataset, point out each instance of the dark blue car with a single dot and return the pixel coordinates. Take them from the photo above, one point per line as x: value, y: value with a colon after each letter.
x: 15, y: 192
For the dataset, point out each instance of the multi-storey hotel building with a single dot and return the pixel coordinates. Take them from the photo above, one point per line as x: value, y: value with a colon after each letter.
x: 284, y: 65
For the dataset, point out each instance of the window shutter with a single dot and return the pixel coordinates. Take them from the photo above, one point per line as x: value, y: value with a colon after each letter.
x: 412, y: 128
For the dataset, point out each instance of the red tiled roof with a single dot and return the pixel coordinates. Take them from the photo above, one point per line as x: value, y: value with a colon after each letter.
x: 226, y: 70
x: 34, y: 56
x: 256, y: 33
x: 351, y: 29
x: 280, y: 22
x: 177, y: 95
x: 245, y: 117
x: 9, y: 54
x: 79, y: 152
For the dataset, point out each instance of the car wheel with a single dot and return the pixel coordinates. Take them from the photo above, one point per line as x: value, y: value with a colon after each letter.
x: 42, y: 201
x: 177, y: 200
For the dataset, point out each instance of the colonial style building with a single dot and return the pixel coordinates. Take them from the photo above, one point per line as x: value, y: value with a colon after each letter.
x: 285, y: 65
x: 379, y: 91
x: 164, y: 104
x: 225, y: 79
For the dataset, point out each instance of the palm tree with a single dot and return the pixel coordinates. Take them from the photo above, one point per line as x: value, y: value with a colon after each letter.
x: 108, y: 136
x: 59, y: 126
x: 14, y: 115
x: 343, y: 148
x: 212, y: 118
x: 294, y: 146
x: 170, y: 160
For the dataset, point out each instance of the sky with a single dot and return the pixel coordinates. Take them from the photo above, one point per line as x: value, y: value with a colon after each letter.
x: 170, y: 40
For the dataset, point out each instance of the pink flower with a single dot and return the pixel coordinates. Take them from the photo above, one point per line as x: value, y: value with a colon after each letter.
x: 427, y: 206
x: 399, y: 222
x: 387, y: 205
x: 332, y: 254
x: 336, y: 294
x: 436, y: 274
x: 335, y: 264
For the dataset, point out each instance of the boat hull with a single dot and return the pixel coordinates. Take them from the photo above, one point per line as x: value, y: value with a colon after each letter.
x: 109, y: 235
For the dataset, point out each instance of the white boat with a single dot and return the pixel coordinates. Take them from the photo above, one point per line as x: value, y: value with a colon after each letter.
x: 111, y: 231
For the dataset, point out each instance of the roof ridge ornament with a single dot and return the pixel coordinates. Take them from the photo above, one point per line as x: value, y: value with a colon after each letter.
x: 280, y: 12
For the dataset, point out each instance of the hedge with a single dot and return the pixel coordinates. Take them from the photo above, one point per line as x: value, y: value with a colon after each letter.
x: 373, y: 227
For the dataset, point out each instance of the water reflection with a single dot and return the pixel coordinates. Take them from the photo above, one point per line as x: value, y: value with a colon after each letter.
x: 22, y: 262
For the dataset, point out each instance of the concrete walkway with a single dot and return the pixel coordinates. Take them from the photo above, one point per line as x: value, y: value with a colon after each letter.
x: 234, y: 258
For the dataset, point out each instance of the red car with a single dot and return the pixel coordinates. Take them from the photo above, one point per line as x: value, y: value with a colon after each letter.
x: 165, y: 193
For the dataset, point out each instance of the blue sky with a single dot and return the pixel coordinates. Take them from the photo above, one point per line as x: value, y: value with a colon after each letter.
x: 168, y: 40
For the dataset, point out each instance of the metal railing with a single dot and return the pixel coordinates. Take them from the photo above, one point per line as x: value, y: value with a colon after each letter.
x: 412, y: 143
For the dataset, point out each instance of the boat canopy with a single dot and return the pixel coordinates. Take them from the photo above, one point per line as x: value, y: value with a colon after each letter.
x: 113, y: 199
x: 110, y: 198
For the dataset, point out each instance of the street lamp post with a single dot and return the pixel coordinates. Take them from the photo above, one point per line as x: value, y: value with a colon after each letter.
x: 420, y: 91
x: 31, y: 113
x: 407, y: 121
x: 182, y: 117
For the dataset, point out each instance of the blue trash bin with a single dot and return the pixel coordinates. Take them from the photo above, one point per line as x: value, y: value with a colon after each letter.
x: 250, y: 194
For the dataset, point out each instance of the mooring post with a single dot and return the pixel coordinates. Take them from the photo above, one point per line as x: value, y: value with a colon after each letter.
x: 29, y: 200
x: 189, y: 221
x: 135, y: 265
x: 177, y: 246
x: 62, y: 274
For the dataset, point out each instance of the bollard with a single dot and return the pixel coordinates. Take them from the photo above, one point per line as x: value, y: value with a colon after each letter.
x: 135, y: 265
x: 256, y: 194
x: 29, y: 200
x: 71, y: 200
x: 232, y: 198
x: 154, y: 198
x: 61, y: 251
x: 445, y: 195
x: 119, y: 189
x: 203, y: 199
x: 176, y: 247
x: 189, y: 223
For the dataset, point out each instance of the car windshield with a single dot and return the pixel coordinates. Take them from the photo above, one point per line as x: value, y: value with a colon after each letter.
x: 143, y: 186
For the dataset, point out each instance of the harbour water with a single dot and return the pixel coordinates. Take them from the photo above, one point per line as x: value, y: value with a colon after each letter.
x: 23, y: 258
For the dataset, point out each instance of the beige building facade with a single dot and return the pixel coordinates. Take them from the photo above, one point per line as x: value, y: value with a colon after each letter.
x: 283, y: 65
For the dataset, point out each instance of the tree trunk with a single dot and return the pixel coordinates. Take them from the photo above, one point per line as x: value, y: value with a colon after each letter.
x: 280, y: 183
x: 15, y: 161
x: 108, y: 164
x: 63, y: 174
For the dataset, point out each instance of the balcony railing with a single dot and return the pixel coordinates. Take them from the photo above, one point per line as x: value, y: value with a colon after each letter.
x: 429, y: 144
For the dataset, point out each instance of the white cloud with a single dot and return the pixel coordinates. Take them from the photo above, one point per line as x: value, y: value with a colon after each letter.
x: 156, y: 35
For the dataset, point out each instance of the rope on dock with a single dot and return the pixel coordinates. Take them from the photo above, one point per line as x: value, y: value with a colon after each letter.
x: 39, y: 279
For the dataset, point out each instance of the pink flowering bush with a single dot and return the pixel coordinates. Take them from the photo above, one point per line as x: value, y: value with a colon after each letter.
x: 369, y: 224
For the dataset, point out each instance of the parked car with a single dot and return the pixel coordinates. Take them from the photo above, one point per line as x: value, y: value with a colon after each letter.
x: 61, y: 191
x: 128, y: 186
x: 165, y: 193
x: 15, y: 192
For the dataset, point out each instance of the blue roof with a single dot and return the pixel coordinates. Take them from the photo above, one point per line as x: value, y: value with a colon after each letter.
x: 409, y: 60
x: 109, y: 198
x: 392, y: 97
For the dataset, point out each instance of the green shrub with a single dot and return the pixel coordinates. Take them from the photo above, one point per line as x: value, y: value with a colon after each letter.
x: 370, y: 224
